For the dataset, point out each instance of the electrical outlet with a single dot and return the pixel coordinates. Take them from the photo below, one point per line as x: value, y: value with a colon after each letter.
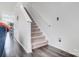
x: 59, y: 39
x: 57, y: 18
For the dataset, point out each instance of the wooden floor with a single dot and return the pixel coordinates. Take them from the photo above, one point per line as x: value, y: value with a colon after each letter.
x: 14, y: 49
x: 49, y: 51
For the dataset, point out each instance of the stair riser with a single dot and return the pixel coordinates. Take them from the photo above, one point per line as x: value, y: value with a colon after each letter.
x: 33, y: 23
x: 34, y: 26
x: 39, y: 45
x: 36, y: 35
x: 35, y: 42
x: 35, y: 30
x: 38, y: 32
x: 37, y: 38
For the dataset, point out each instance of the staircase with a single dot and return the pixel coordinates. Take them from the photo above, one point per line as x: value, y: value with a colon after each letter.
x: 38, y: 39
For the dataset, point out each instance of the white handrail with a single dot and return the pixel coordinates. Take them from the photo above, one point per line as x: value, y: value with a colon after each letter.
x: 24, y: 12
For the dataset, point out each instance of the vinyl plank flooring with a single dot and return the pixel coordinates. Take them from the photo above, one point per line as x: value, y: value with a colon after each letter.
x: 49, y: 51
x: 53, y: 50
x: 16, y: 50
x: 38, y: 53
x: 61, y: 52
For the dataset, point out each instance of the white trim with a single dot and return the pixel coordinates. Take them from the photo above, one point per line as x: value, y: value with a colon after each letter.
x: 20, y: 5
x: 27, y: 51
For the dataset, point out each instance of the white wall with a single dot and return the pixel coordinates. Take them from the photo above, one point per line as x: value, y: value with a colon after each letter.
x: 66, y: 29
x: 23, y: 29
x: 7, y: 7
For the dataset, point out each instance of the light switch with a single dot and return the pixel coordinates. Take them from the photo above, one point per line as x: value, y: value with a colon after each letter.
x: 57, y: 18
